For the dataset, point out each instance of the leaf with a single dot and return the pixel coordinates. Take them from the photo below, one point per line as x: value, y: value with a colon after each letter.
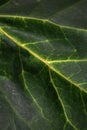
x: 43, y: 76
x: 63, y: 12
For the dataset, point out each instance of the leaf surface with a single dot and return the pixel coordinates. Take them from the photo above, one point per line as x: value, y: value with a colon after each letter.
x: 43, y: 75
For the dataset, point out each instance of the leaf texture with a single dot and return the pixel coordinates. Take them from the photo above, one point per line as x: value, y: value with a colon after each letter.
x: 43, y: 75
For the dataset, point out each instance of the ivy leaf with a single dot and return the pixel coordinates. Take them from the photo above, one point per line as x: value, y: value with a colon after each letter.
x: 43, y: 75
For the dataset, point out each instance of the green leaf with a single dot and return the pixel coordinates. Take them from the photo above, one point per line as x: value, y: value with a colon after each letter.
x: 43, y: 75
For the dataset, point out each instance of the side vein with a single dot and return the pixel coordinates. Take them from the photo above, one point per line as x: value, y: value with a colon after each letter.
x: 40, y: 58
